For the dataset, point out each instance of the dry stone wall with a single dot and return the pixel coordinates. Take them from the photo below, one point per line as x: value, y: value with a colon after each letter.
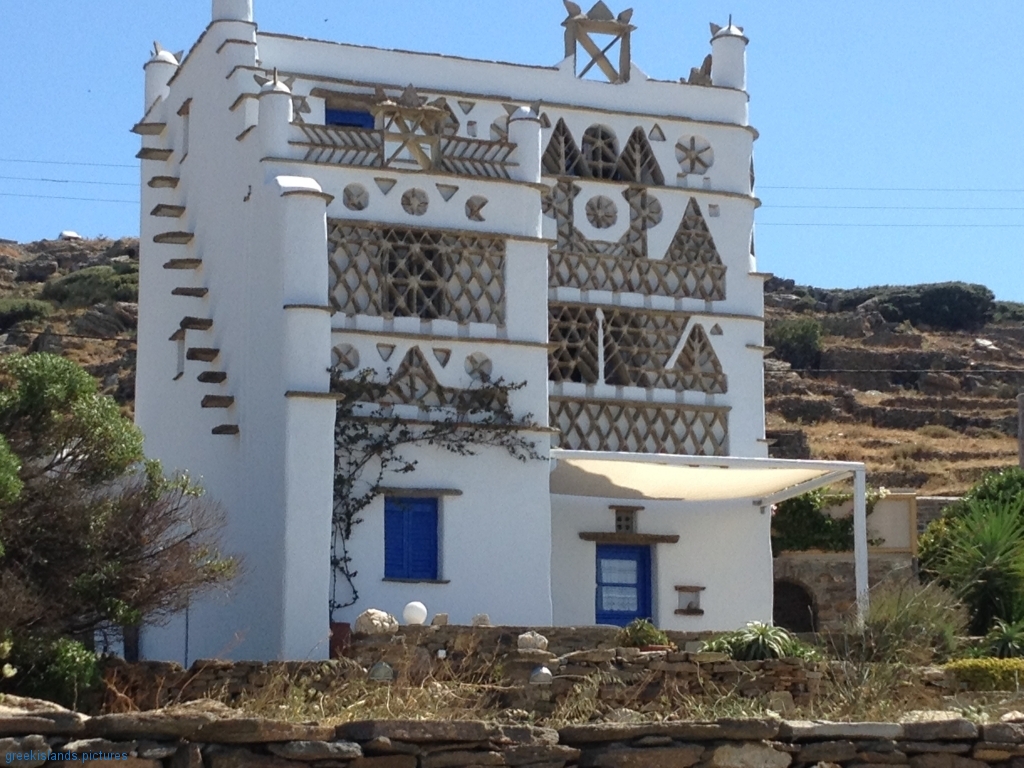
x: 204, y: 735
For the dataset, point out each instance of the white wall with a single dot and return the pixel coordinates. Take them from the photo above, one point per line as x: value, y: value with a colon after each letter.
x: 722, y: 547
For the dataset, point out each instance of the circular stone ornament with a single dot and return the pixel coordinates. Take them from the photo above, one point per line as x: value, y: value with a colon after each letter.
x: 694, y: 154
x: 601, y: 212
x: 415, y: 613
x: 355, y: 197
x: 345, y: 357
x: 479, y: 366
x: 415, y: 202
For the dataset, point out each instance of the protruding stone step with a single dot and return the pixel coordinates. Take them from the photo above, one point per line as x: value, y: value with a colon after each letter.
x: 196, y: 323
x: 174, y: 238
x: 149, y: 129
x: 225, y: 429
x: 203, y: 354
x: 163, y: 182
x: 153, y: 153
x: 168, y: 211
x: 212, y: 377
x: 183, y: 264
x: 196, y: 293
x: 218, y: 401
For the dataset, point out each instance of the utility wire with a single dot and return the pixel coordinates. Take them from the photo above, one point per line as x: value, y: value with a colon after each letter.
x: 885, y: 207
x: 127, y: 183
x: 66, y: 162
x: 896, y: 189
x: 62, y: 197
x: 926, y: 226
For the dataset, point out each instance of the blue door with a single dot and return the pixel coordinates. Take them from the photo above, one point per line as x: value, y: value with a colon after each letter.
x: 623, y: 584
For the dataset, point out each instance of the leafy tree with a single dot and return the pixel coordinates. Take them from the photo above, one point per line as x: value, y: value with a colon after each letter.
x: 93, y: 535
x: 797, y: 341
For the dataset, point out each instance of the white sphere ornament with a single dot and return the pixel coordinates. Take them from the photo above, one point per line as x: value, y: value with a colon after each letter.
x: 415, y: 613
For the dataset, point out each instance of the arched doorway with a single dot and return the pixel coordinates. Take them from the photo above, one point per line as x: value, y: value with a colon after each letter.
x: 794, y: 607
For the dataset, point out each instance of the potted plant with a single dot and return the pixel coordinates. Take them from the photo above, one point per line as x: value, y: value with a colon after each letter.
x: 642, y: 634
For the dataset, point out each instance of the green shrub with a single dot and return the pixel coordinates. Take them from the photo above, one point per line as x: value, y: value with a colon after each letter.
x: 988, y: 674
x: 1007, y: 312
x: 758, y: 641
x: 95, y: 285
x: 796, y: 340
x: 953, y: 306
x: 641, y: 632
x: 800, y: 523
x: 16, y: 310
x: 980, y: 555
x: 61, y: 670
x: 1005, y: 640
x: 907, y: 622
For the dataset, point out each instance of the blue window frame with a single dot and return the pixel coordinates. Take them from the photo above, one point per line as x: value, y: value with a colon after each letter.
x: 410, y: 538
x: 349, y: 117
x: 623, y: 584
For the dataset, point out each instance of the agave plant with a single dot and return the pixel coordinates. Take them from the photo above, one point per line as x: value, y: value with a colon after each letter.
x: 1006, y: 639
x: 758, y: 641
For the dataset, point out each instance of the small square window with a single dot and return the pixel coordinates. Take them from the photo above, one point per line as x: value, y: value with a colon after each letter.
x: 625, y: 521
x: 411, y: 538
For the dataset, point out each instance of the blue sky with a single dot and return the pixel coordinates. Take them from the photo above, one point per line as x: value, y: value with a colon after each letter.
x: 891, y: 133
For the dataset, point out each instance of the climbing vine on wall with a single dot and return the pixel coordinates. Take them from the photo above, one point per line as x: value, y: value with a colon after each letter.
x: 803, y: 522
x: 369, y: 440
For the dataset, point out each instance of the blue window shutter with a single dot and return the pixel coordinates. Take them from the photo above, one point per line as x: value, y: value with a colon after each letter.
x: 394, y: 539
x: 350, y: 118
x: 410, y: 539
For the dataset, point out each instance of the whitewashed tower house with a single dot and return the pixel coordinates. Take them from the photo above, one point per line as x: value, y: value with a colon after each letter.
x: 313, y: 210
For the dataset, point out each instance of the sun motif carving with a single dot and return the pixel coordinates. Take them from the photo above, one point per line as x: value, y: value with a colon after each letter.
x: 415, y: 202
x: 474, y: 207
x: 694, y: 154
x: 601, y: 212
x: 356, y: 197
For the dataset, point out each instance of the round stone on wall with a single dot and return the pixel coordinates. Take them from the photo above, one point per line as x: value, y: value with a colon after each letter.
x: 474, y: 207
x: 601, y: 212
x: 356, y: 197
x: 345, y: 357
x: 694, y: 154
x: 415, y: 202
x: 479, y: 366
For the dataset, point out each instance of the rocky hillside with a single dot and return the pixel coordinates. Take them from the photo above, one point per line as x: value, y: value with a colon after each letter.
x: 919, y: 382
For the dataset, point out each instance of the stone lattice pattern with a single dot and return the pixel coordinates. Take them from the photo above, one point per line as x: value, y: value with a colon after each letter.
x: 340, y: 145
x: 388, y: 271
x: 600, y: 157
x: 637, y: 348
x: 414, y: 383
x: 698, y: 366
x: 691, y: 268
x: 608, y: 425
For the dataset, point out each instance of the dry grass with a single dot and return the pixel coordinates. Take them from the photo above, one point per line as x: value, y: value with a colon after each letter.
x: 944, y: 466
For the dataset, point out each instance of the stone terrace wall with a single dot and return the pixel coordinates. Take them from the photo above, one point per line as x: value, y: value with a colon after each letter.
x: 196, y: 737
x: 626, y: 677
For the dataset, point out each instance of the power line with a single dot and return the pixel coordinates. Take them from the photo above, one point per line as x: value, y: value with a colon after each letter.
x: 61, y: 197
x: 926, y: 226
x: 890, y: 207
x: 66, y: 162
x: 896, y: 189
x: 966, y: 371
x: 78, y: 181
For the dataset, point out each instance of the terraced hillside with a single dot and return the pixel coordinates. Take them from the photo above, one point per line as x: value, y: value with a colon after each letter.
x: 928, y: 406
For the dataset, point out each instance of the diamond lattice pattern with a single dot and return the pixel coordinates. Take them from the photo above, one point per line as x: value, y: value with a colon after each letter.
x: 591, y: 425
x: 416, y: 273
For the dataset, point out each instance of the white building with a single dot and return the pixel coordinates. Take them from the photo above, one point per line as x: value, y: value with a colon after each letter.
x: 312, y: 210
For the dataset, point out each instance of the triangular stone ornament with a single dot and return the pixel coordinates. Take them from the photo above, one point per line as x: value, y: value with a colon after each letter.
x: 656, y: 133
x: 466, y: 106
x: 386, y: 350
x: 511, y: 109
x: 637, y: 162
x: 447, y: 191
x: 442, y: 355
x: 600, y: 12
x: 716, y: 330
x: 562, y: 156
x: 545, y: 121
x: 385, y: 185
x: 414, y: 382
x: 698, y: 365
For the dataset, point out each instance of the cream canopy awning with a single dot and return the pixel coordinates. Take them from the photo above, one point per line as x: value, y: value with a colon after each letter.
x: 763, y: 482
x: 689, y: 478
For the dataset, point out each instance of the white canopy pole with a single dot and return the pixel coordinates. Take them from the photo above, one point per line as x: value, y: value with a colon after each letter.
x: 860, y: 542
